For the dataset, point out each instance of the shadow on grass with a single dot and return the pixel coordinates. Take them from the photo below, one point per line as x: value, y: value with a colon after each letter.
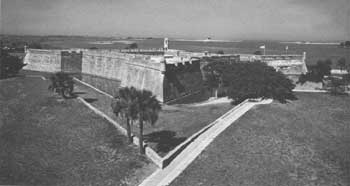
x: 79, y: 93
x: 165, y: 140
x: 201, y: 96
x: 90, y: 100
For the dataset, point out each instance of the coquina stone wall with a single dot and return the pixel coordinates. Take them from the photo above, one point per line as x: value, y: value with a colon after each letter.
x: 139, y: 71
x: 71, y: 61
x: 287, y: 64
x: 109, y: 70
x: 43, y: 60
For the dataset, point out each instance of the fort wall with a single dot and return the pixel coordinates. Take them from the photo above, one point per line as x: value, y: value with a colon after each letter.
x: 71, y: 61
x: 139, y: 71
x: 108, y: 70
x: 287, y: 64
x: 168, y: 77
x: 43, y: 60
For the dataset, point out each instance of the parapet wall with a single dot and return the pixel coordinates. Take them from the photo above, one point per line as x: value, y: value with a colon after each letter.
x: 287, y: 64
x: 166, y: 81
x: 168, y: 77
x: 43, y: 60
x: 71, y: 61
x: 109, y: 70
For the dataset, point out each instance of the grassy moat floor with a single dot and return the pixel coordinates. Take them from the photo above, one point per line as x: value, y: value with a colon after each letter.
x: 175, y: 124
x: 45, y: 140
x: 304, y: 142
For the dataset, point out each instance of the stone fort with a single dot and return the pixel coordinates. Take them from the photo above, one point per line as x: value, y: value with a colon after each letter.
x: 169, y: 74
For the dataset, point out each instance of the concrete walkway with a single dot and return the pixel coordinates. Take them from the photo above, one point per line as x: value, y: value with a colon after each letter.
x: 310, y: 90
x: 162, y: 177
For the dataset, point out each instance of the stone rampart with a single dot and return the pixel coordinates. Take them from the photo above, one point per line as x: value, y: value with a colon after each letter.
x: 43, y: 60
x: 71, y: 61
x: 140, y: 71
x: 167, y: 77
x: 287, y: 64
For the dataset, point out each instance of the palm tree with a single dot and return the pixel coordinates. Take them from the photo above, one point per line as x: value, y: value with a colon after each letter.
x: 148, y: 108
x: 124, y: 106
x: 213, y: 79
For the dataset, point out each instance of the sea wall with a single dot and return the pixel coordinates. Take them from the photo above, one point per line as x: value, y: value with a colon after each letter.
x: 43, y: 60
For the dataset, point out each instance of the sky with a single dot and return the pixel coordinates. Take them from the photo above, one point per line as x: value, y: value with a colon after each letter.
x: 321, y: 20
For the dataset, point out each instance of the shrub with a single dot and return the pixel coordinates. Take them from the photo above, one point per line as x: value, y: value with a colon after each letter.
x: 346, y: 78
x: 132, y: 46
x: 10, y: 65
x: 317, y: 72
x: 336, y: 86
x: 220, y: 52
x: 35, y: 45
x: 258, y: 52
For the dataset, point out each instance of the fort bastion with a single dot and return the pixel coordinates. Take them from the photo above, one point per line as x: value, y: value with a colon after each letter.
x: 169, y: 74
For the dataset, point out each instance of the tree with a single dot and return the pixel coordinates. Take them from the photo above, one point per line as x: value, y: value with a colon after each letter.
x: 254, y: 80
x: 345, y: 44
x: 62, y: 83
x: 35, y: 45
x: 212, y: 79
x: 325, y: 67
x: 10, y: 65
x: 220, y: 52
x: 317, y: 72
x: 258, y: 52
x: 341, y: 63
x: 132, y: 46
x: 124, y: 106
x: 148, y: 108
x: 133, y: 104
x: 336, y: 86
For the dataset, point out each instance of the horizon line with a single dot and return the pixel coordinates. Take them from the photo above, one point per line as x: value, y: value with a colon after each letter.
x: 159, y: 37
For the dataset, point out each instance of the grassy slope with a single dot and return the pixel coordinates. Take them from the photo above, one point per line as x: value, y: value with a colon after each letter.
x: 47, y: 142
x: 305, y: 142
x: 175, y: 123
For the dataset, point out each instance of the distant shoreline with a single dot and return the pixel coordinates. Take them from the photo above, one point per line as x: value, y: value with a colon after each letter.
x: 310, y: 43
x: 207, y: 40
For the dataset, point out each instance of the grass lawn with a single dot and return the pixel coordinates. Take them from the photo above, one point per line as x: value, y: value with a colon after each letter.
x: 178, y: 122
x: 305, y: 142
x: 175, y: 124
x: 48, y: 141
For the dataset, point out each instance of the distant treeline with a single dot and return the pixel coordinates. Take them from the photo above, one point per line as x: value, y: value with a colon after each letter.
x: 16, y: 43
x: 345, y: 44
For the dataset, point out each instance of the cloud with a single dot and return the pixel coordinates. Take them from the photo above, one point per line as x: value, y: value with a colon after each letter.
x: 249, y: 19
x: 336, y: 14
